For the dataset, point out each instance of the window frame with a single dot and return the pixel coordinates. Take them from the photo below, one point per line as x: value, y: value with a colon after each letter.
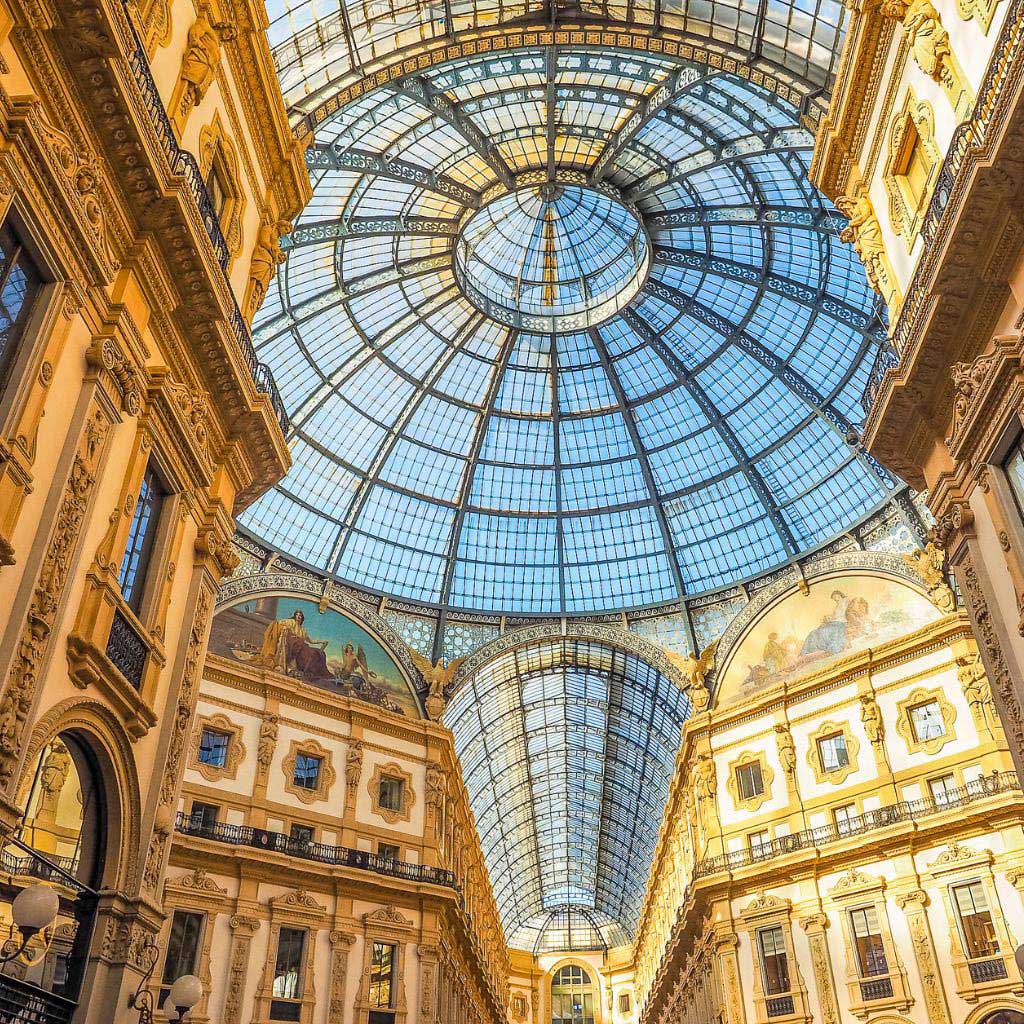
x: 762, y: 956
x: 865, y: 909
x: 200, y: 937
x: 967, y: 883
x: 143, y: 579
x: 294, y: 1000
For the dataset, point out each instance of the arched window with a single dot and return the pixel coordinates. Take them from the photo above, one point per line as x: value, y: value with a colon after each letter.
x: 572, y: 996
x: 1004, y: 1017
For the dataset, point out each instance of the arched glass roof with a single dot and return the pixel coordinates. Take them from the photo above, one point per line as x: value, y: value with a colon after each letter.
x: 567, y: 749
x: 491, y: 458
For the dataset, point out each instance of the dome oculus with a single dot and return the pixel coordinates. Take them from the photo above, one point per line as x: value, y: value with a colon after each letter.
x: 552, y: 257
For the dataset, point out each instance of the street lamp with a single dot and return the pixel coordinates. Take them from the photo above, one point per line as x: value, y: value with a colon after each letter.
x: 184, y: 993
x: 1019, y: 958
x: 34, y: 909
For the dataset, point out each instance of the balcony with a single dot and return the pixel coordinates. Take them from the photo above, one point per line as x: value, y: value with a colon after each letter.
x: 780, y: 1006
x: 127, y: 650
x: 320, y: 853
x: 877, y: 988
x: 22, y: 1001
x: 184, y: 164
x: 982, y: 971
x: 883, y: 817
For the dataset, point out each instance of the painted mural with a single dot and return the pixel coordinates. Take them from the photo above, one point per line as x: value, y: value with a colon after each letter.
x: 292, y: 636
x: 835, y: 618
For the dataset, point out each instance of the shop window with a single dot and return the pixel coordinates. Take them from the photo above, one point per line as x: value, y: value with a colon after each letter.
x: 287, y: 988
x: 383, y: 980
x: 20, y: 283
x: 833, y: 753
x: 182, y: 949
x: 771, y: 947
x: 213, y: 748
x: 307, y: 771
x: 391, y: 793
x: 942, y: 789
x: 868, y: 945
x: 141, y: 538
x: 926, y: 721
x: 749, y: 780
x: 572, y: 996
x: 976, y: 925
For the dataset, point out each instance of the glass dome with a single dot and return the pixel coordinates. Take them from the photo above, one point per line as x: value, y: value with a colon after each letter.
x: 566, y: 331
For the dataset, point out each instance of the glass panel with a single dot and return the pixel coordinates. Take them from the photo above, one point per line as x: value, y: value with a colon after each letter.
x: 927, y: 722
x: 833, y: 752
x: 943, y: 789
x: 976, y: 920
x: 182, y: 946
x: 572, y: 996
x: 213, y: 748
x: 291, y: 944
x: 392, y: 792
x: 750, y: 780
x: 307, y: 771
x: 774, y: 962
x: 141, y: 535
x: 20, y: 283
x: 382, y: 974
x: 871, y: 959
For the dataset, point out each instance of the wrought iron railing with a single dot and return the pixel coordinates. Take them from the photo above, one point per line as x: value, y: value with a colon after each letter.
x: 882, y: 817
x: 339, y: 856
x: 127, y: 650
x: 886, y: 357
x: 987, y: 970
x: 29, y: 866
x: 25, y: 1003
x: 184, y: 163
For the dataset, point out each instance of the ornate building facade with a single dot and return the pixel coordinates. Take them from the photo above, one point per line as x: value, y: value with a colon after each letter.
x: 839, y: 844
x: 921, y: 149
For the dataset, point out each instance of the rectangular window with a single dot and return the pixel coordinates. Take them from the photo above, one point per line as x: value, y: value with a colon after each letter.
x: 749, y: 782
x: 843, y: 817
x: 771, y: 945
x: 833, y: 753
x: 912, y: 166
x: 203, y: 816
x: 215, y: 188
x: 867, y: 937
x: 301, y: 835
x: 182, y: 949
x: 388, y: 851
x: 391, y: 794
x: 625, y: 1004
x: 926, y: 721
x: 213, y: 748
x: 943, y: 789
x: 1013, y: 467
x: 975, y: 920
x: 20, y: 283
x: 760, y: 844
x: 307, y: 771
x: 141, y: 537
x: 380, y: 1017
x: 287, y: 988
x: 382, y: 974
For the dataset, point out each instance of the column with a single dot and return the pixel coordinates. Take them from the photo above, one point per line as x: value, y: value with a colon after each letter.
x: 821, y: 963
x: 726, y: 946
x: 243, y: 928
x: 914, y: 905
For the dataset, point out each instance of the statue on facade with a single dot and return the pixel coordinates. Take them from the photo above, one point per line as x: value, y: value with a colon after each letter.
x: 974, y: 682
x: 199, y: 63
x: 268, y: 740
x: 864, y: 233
x: 353, y: 771
x: 926, y: 36
x: 928, y: 564
x: 787, y: 750
x: 871, y: 719
x: 696, y: 668
x: 265, y: 258
x: 437, y: 677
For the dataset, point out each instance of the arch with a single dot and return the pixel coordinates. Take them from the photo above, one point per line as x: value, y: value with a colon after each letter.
x: 877, y: 564
x: 329, y: 595
x: 99, y: 733
x: 574, y: 978
x: 661, y: 42
x: 654, y: 655
x: 997, y: 1011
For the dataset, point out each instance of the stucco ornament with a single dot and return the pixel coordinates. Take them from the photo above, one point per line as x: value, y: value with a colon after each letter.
x: 928, y: 563
x: 864, y: 233
x: 928, y: 39
x: 199, y: 64
x: 696, y: 669
x: 437, y: 677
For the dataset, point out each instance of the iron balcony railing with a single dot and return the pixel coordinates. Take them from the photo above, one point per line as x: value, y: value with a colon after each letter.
x: 127, y: 650
x: 184, y: 163
x: 882, y: 817
x: 339, y: 856
x: 987, y: 970
x: 25, y: 1003
x: 780, y: 1006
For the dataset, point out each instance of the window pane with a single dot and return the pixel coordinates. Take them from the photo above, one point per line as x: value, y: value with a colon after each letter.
x: 976, y: 920
x: 288, y: 970
x: 943, y: 789
x: 307, y: 771
x: 749, y: 780
x: 391, y: 794
x: 203, y: 815
x: 774, y: 962
x: 213, y: 748
x: 926, y: 720
x: 20, y: 282
x: 382, y: 974
x: 141, y: 535
x: 871, y: 959
x: 832, y: 750
x: 1014, y: 468
x: 182, y: 946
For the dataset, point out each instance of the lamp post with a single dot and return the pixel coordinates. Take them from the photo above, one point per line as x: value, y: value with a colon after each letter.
x: 184, y: 993
x: 1018, y: 957
x: 34, y: 909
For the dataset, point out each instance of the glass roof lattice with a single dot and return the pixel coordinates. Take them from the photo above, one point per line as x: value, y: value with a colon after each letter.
x: 567, y: 750
x: 681, y: 416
